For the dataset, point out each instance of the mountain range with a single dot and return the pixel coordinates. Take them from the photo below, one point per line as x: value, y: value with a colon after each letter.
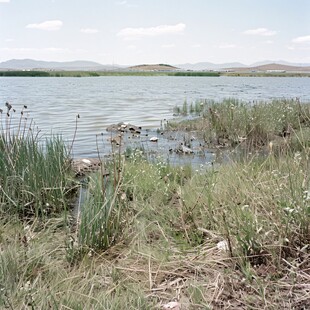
x: 81, y: 65
x: 31, y: 64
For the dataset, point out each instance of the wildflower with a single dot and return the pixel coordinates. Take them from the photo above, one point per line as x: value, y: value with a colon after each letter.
x: 307, y: 195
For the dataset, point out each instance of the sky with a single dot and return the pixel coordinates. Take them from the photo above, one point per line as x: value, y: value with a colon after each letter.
x: 129, y: 32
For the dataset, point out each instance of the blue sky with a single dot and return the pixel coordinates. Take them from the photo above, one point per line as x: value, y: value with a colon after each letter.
x: 155, y: 31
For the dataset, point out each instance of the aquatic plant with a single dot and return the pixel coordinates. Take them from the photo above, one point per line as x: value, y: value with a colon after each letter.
x: 254, y: 125
x: 34, y: 173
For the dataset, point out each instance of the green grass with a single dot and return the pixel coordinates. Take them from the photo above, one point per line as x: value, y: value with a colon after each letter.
x: 102, y: 214
x: 149, y: 233
x: 231, y: 122
x: 34, y: 173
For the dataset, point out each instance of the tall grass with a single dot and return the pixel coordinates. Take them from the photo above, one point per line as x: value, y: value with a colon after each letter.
x: 260, y: 207
x: 102, y: 214
x: 233, y: 236
x: 33, y: 173
x: 232, y: 122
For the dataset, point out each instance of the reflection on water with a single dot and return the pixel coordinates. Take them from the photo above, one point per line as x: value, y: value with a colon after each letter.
x: 144, y: 101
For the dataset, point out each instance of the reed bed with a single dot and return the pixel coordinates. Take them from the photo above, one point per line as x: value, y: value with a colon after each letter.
x: 284, y: 123
x: 34, y: 173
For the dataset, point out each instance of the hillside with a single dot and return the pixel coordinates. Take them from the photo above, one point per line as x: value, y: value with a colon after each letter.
x: 272, y: 67
x: 155, y: 67
x: 31, y: 64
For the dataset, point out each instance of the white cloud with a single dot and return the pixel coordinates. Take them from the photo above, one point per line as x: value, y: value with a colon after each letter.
x: 227, y: 45
x: 89, y: 30
x: 4, y: 1
x: 304, y: 39
x: 151, y: 31
x: 168, y: 45
x: 260, y: 32
x: 32, y: 49
x: 126, y: 4
x: 49, y: 25
x: 196, y: 45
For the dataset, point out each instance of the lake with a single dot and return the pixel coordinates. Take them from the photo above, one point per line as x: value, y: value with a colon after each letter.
x: 53, y: 103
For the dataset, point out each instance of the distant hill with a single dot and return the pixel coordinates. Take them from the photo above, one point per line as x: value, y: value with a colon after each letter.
x: 30, y: 64
x: 272, y: 67
x: 81, y: 65
x: 237, y: 65
x: 208, y: 66
x: 280, y: 62
x: 156, y: 67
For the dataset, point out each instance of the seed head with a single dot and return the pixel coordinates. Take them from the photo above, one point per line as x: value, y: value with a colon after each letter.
x: 9, y: 106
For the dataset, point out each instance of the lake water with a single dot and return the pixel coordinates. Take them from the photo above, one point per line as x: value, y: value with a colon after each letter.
x: 53, y: 103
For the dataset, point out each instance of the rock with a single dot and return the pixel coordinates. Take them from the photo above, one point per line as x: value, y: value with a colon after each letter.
x: 184, y: 149
x: 173, y: 305
x: 83, y: 166
x: 134, y: 129
x: 222, y: 246
x: 115, y: 127
x: 122, y: 127
x: 154, y: 139
x: 116, y: 139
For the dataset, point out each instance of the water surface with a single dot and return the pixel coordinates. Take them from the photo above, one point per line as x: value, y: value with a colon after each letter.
x: 100, y: 101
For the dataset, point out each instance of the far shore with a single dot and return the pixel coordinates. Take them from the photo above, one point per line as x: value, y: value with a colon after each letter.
x: 49, y: 73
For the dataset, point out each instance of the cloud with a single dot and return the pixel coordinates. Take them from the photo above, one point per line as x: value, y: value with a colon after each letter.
x: 4, y: 1
x: 196, y: 45
x: 128, y: 33
x: 227, y: 45
x: 126, y: 4
x: 304, y: 39
x: 89, y: 30
x: 49, y: 25
x: 168, y: 45
x: 31, y: 49
x: 260, y: 32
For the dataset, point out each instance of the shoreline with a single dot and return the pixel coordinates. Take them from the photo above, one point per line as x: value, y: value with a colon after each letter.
x: 47, y: 73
